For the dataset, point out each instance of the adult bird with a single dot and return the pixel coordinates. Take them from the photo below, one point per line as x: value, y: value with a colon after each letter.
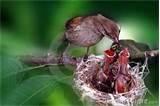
x: 86, y: 31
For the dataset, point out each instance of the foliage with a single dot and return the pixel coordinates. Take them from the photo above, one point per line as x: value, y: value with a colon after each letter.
x: 31, y: 27
x: 18, y: 88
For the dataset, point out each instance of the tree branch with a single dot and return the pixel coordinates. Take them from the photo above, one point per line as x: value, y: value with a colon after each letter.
x: 57, y: 60
x: 49, y: 59
x: 141, y: 55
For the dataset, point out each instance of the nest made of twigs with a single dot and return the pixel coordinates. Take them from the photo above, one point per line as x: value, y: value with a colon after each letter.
x: 91, y: 96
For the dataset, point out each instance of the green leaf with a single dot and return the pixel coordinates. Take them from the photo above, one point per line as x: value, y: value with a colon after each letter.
x: 10, y: 66
x: 9, y: 80
x: 31, y: 91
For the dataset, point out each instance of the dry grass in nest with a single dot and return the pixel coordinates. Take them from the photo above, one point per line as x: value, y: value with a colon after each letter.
x: 91, y: 96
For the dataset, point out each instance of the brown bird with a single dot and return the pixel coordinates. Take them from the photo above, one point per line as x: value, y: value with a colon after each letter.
x: 86, y: 31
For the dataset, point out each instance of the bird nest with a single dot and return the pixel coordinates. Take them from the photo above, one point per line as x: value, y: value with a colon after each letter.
x: 91, y: 96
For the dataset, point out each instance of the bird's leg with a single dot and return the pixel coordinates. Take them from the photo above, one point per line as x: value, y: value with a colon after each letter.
x: 86, y: 55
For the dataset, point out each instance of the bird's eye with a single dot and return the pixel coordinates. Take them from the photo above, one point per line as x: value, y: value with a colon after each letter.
x: 119, y: 31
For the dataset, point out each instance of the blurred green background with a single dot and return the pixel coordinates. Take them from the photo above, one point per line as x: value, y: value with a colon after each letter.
x: 32, y: 27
